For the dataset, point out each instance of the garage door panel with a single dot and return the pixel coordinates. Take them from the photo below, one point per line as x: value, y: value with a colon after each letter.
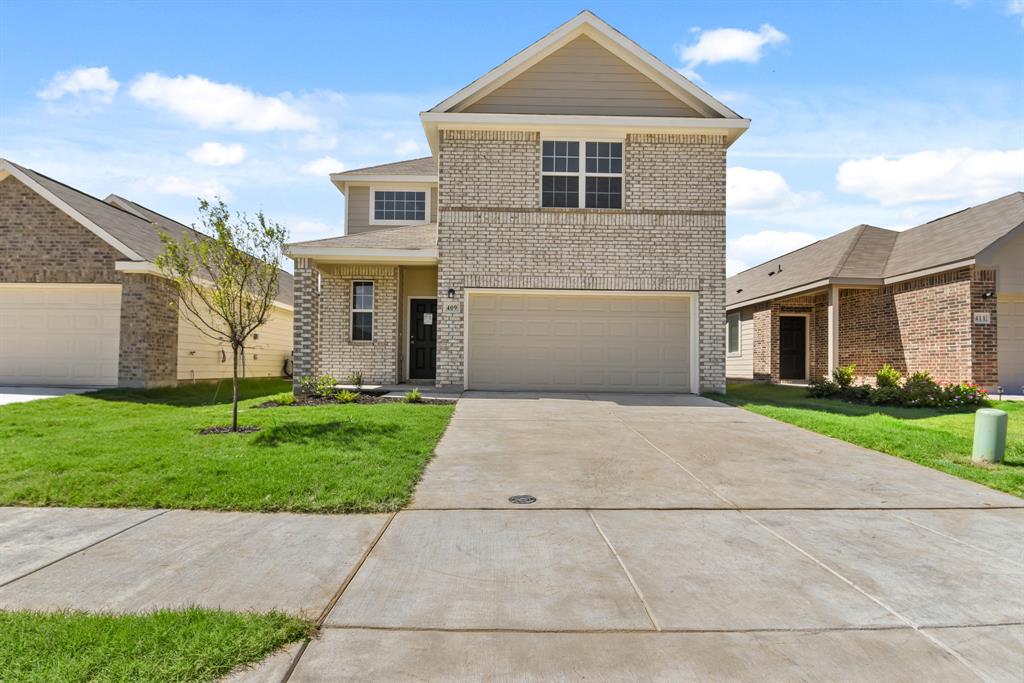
x: 1010, y: 344
x: 526, y: 341
x: 59, y: 335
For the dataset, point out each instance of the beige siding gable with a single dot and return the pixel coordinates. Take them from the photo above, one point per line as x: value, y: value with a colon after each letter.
x: 357, y: 212
x: 582, y: 78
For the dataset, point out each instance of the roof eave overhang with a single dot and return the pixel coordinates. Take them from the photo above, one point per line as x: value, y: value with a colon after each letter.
x: 150, y: 268
x: 922, y: 272
x: 433, y: 122
x: 367, y: 256
x: 865, y: 282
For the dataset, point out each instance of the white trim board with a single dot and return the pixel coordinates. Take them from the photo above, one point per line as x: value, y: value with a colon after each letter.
x: 360, y: 255
x: 694, y: 319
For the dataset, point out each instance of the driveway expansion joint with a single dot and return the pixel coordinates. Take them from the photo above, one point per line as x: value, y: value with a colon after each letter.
x: 625, y: 570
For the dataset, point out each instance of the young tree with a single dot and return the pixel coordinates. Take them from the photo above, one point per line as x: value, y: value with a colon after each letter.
x: 226, y: 283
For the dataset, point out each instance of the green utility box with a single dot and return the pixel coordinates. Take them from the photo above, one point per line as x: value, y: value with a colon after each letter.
x: 989, y: 435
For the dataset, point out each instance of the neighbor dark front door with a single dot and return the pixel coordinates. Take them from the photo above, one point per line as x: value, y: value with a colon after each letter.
x: 792, y: 347
x: 422, y: 338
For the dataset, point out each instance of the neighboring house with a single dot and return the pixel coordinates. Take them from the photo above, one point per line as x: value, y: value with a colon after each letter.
x: 946, y: 297
x: 82, y: 302
x: 567, y: 233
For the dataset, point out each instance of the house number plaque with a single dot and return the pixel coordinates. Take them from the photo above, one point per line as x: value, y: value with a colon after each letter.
x: 451, y: 307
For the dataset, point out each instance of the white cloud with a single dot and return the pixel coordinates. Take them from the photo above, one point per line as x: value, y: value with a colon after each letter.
x: 92, y: 84
x: 323, y: 166
x: 750, y: 190
x: 191, y: 188
x: 964, y: 174
x: 750, y: 250
x: 216, y: 154
x: 728, y: 45
x: 407, y: 148
x: 219, y: 105
x: 1015, y: 8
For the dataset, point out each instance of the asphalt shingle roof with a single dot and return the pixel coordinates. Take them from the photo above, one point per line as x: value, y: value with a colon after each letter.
x: 132, y: 224
x: 874, y: 253
x: 421, y: 166
x: 405, y: 237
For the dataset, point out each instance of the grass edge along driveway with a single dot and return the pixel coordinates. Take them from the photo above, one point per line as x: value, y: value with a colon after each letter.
x: 166, y: 645
x: 141, y: 448
x: 934, y: 438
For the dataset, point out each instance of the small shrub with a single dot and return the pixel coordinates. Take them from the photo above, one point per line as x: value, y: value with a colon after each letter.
x: 822, y: 388
x: 413, y: 396
x: 888, y: 377
x: 325, y: 386
x: 346, y: 396
x: 857, y: 394
x: 886, y: 396
x: 355, y: 378
x: 963, y: 395
x: 307, y: 385
x: 843, y: 375
x: 921, y: 391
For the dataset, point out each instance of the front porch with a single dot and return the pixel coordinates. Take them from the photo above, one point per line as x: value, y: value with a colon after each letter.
x: 366, y: 305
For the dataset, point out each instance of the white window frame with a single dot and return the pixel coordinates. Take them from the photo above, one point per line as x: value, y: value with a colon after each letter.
x: 374, y: 189
x: 353, y: 310
x: 739, y: 334
x: 582, y: 173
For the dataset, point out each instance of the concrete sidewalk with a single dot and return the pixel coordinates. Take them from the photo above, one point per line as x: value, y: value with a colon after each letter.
x: 673, y: 539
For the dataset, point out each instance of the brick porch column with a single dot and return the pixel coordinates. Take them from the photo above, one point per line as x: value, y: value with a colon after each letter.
x: 305, y: 321
x: 148, y: 354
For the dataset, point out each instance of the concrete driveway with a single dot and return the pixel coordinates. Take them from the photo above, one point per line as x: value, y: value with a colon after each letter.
x: 673, y: 539
x: 25, y: 394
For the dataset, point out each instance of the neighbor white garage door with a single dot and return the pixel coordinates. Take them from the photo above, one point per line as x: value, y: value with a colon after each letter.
x: 578, y: 342
x: 59, y: 335
x: 1010, y: 322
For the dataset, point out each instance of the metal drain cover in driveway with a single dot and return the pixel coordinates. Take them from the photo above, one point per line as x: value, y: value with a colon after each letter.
x: 522, y: 499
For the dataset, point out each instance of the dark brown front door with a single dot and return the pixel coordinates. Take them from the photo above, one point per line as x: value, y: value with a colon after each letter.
x: 792, y: 347
x: 422, y: 338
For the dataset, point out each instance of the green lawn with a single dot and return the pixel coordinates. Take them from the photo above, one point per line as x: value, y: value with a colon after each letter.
x: 130, y: 448
x: 189, y: 645
x: 935, y: 438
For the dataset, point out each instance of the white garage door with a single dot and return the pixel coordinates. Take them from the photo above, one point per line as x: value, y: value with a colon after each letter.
x: 578, y: 342
x: 1010, y: 322
x: 59, y: 335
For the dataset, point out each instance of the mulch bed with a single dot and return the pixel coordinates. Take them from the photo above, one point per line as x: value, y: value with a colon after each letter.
x: 225, y: 429
x: 362, y: 398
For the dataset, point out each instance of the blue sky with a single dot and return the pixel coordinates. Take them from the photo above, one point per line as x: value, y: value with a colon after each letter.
x: 881, y: 113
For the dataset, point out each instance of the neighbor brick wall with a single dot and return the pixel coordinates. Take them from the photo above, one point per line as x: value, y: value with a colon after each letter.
x: 377, y: 360
x: 41, y: 243
x: 670, y: 235
x: 921, y: 324
x: 149, y: 332
x: 763, y: 342
x: 305, y: 321
x: 984, y: 338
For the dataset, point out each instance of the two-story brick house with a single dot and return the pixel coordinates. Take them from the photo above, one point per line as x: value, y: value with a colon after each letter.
x: 567, y: 233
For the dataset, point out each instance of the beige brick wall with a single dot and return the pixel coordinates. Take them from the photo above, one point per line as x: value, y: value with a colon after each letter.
x: 377, y: 360
x: 149, y: 333
x: 670, y: 235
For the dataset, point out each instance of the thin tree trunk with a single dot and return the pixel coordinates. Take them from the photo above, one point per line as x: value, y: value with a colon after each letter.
x: 234, y: 390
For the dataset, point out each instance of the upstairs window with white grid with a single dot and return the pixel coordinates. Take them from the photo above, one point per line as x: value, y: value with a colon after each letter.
x: 595, y: 182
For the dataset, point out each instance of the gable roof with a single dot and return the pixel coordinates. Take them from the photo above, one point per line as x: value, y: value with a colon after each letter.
x: 423, y: 166
x: 958, y: 236
x: 178, y: 230
x: 869, y: 255
x: 588, y: 24
x: 128, y: 227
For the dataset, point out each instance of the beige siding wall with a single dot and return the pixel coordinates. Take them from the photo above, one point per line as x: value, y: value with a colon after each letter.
x: 357, y: 212
x: 199, y: 357
x: 582, y: 78
x: 1007, y: 259
x: 741, y: 365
